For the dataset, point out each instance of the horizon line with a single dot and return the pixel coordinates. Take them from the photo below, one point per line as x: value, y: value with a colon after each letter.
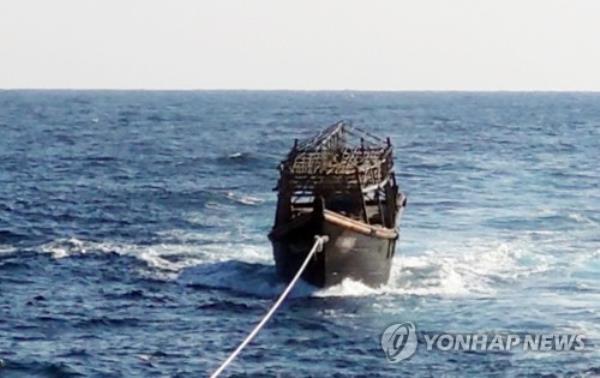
x: 303, y: 90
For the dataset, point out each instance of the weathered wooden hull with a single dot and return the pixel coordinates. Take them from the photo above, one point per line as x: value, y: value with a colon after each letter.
x: 354, y: 251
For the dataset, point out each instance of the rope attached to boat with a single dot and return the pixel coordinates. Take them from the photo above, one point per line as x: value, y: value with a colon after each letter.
x: 317, y: 246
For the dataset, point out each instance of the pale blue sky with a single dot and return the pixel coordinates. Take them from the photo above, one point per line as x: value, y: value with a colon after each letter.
x: 308, y: 44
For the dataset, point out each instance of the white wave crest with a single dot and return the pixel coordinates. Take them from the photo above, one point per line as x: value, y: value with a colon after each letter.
x: 475, y: 267
x: 182, y: 251
x: 244, y: 199
x: 62, y: 248
x: 7, y: 249
x: 580, y: 218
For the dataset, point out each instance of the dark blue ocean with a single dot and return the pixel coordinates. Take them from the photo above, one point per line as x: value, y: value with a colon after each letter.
x: 133, y: 233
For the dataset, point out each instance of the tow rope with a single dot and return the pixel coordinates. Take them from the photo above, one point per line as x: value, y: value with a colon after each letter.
x: 317, y: 246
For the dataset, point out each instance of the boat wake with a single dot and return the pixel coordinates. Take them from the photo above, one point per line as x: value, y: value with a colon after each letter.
x: 475, y: 268
x: 472, y: 268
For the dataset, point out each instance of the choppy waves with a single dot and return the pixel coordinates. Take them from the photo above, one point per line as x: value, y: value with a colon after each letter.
x: 470, y: 268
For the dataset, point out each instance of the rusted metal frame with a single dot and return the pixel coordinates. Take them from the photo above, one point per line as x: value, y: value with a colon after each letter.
x: 362, y: 199
x: 324, y: 136
x: 358, y: 132
x: 382, y: 214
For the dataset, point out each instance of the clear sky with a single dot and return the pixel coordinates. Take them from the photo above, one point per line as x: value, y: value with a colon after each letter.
x: 303, y: 44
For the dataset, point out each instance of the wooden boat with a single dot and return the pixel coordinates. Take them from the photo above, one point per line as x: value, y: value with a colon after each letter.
x: 340, y: 183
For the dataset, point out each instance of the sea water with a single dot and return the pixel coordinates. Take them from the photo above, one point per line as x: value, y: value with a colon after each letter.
x: 133, y: 233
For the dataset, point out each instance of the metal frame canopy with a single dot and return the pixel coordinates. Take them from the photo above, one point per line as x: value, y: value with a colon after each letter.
x: 341, y: 158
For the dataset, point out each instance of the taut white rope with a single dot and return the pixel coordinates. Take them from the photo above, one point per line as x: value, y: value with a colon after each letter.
x: 319, y: 241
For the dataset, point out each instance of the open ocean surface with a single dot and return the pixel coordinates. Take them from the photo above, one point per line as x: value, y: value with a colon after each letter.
x: 133, y: 233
